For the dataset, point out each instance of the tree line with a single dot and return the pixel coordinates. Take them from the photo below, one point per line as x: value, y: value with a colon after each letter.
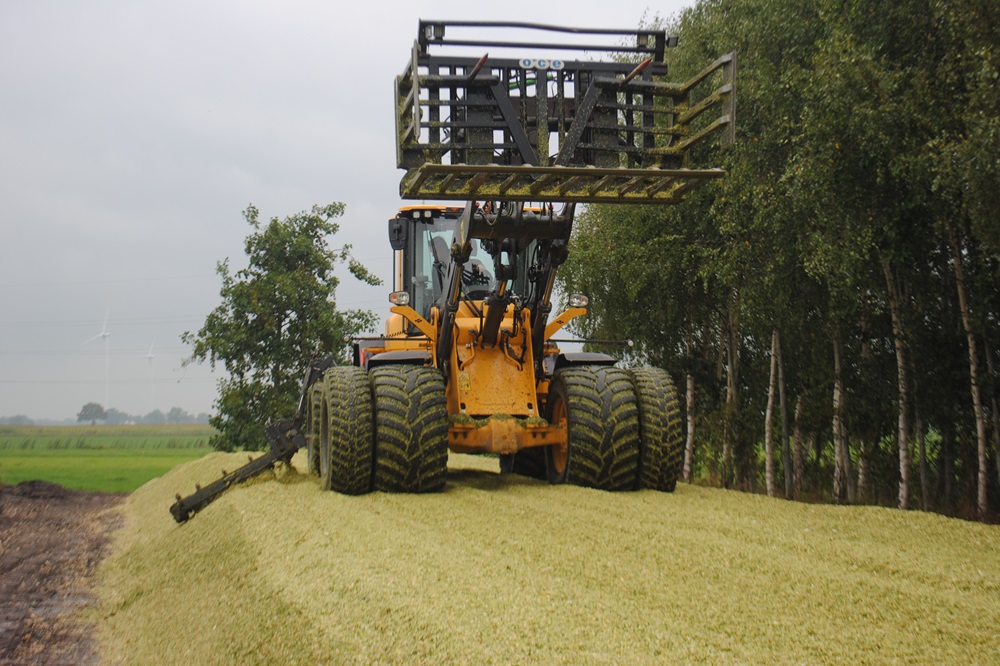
x: 830, y: 309
x: 94, y: 412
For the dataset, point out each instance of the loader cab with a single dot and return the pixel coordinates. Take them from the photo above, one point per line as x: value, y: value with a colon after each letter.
x: 421, y: 237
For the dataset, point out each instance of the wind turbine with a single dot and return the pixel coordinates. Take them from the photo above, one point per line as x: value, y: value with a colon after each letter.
x: 105, y: 334
x: 150, y: 358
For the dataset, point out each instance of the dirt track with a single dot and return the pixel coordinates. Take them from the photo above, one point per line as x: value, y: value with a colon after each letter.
x: 51, y: 540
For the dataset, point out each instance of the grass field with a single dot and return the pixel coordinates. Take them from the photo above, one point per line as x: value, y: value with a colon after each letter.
x: 105, y: 458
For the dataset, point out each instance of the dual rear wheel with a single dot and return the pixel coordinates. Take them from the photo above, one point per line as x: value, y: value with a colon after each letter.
x: 383, y: 430
x: 623, y: 431
x: 341, y: 433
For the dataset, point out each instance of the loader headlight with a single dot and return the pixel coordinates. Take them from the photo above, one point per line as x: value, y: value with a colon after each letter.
x: 399, y: 298
x: 578, y: 301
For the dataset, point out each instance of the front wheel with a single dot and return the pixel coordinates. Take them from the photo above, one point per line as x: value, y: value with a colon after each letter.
x: 347, y: 444
x: 411, y: 426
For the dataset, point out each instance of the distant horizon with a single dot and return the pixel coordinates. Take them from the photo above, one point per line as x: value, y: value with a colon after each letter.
x: 138, y: 419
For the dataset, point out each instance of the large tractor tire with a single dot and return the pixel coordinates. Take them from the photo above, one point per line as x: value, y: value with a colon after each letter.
x: 411, y: 429
x: 346, y: 442
x: 598, y: 406
x: 315, y: 423
x: 660, y: 444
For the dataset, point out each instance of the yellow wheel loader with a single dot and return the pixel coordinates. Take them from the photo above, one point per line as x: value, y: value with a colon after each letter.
x: 468, y: 361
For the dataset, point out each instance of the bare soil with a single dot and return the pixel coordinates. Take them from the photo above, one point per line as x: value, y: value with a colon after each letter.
x: 51, y: 541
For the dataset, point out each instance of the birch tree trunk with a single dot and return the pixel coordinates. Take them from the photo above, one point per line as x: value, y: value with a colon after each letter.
x: 840, y: 467
x: 732, y: 379
x: 918, y: 428
x: 863, y: 494
x: 768, y: 417
x: 797, y: 451
x: 919, y: 435
x: 786, y: 453
x: 726, y: 467
x: 977, y: 401
x: 689, y: 404
x: 732, y: 392
x: 897, y: 335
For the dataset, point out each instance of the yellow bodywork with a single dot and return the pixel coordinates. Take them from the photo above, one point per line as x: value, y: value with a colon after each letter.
x: 494, y: 398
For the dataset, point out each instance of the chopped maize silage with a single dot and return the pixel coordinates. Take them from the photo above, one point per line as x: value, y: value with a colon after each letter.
x: 502, y: 569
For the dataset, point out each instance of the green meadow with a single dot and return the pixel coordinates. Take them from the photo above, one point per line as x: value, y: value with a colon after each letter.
x: 115, y: 459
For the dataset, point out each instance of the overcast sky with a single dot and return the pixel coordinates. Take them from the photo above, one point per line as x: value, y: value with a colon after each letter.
x: 133, y: 135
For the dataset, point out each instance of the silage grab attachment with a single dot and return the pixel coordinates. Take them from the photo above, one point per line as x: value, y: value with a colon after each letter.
x: 540, y: 129
x: 285, y: 438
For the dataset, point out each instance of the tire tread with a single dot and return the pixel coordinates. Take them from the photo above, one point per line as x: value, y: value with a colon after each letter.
x: 603, y: 426
x: 411, y: 425
x: 661, y: 444
x: 350, y: 423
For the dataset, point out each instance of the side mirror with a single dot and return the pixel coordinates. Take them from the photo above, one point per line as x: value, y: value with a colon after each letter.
x: 397, y: 233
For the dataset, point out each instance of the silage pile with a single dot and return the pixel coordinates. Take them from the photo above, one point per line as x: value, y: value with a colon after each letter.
x: 509, y: 570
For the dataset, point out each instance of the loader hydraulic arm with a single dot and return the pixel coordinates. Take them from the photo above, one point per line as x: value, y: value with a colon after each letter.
x: 550, y: 230
x: 553, y: 255
x: 508, y: 232
x: 448, y: 304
